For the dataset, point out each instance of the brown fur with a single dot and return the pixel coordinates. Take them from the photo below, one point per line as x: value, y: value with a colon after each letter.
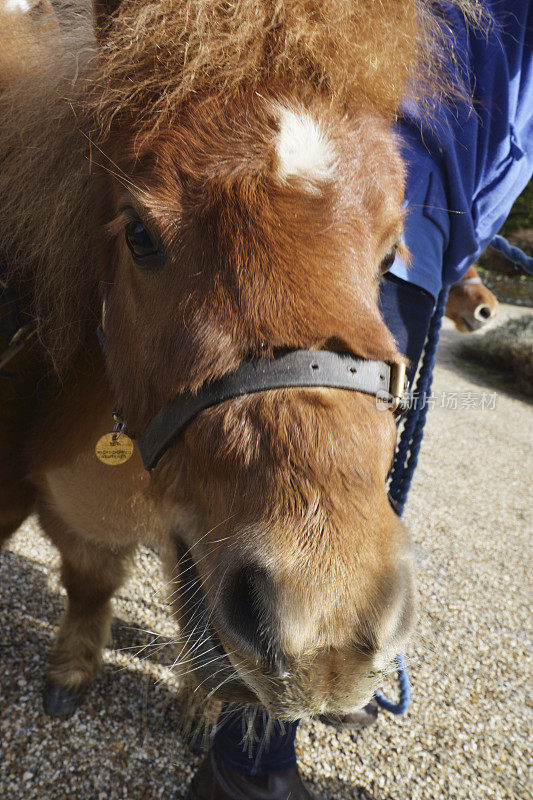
x: 68, y: 95
x: 215, y: 46
x: 91, y: 575
x: 291, y: 483
x: 466, y: 301
x: 243, y: 237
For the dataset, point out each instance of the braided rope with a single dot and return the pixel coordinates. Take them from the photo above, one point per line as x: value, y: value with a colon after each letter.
x: 406, y: 457
x: 403, y: 469
x: 404, y: 688
x: 514, y: 254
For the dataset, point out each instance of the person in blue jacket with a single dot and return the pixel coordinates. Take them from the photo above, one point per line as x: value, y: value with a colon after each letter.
x: 466, y: 166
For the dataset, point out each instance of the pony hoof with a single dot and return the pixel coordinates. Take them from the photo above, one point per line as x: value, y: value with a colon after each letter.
x: 60, y: 702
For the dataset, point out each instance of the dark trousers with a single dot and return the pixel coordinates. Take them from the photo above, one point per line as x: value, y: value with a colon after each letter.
x: 407, y: 310
x: 268, y: 746
x: 256, y: 747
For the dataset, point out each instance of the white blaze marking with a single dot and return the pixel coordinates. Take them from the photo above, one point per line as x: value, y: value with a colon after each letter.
x: 303, y: 147
x: 17, y: 5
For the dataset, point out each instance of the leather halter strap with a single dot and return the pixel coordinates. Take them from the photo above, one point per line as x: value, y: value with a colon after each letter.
x: 468, y: 282
x: 296, y: 368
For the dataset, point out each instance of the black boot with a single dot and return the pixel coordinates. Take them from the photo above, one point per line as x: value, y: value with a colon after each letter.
x: 214, y: 781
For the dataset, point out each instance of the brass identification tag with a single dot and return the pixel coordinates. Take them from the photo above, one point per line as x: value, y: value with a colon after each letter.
x: 114, y: 450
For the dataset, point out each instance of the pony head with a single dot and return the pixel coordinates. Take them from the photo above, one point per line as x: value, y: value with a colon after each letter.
x: 245, y: 197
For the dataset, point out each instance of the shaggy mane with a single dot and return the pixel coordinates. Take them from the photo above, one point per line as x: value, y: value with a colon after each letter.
x: 355, y: 50
x: 152, y: 55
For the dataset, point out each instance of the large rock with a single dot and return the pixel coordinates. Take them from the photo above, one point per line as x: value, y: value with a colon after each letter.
x: 508, y: 349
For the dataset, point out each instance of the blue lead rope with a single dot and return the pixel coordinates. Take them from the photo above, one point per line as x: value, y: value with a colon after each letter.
x: 514, y: 254
x: 404, y: 688
x: 406, y: 457
x: 403, y: 468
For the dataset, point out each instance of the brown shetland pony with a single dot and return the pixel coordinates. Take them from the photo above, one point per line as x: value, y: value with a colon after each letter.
x: 471, y: 305
x: 224, y: 177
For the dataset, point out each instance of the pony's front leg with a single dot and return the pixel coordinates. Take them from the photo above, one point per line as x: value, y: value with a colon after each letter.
x: 91, y: 573
x: 17, y: 504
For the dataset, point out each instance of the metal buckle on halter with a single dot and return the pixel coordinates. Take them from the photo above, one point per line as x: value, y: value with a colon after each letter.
x: 18, y: 342
x: 120, y: 424
x: 397, y: 388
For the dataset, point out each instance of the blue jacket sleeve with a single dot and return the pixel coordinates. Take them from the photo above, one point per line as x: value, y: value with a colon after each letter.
x: 468, y: 163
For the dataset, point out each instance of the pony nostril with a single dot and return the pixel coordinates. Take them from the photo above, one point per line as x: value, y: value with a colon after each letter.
x: 247, y: 600
x: 483, y: 312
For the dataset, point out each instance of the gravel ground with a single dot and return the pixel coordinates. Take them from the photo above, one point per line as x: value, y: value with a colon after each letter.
x: 506, y: 349
x: 466, y: 734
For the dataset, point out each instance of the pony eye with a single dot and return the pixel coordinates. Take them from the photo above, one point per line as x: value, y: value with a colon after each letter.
x: 143, y: 248
x: 388, y: 261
